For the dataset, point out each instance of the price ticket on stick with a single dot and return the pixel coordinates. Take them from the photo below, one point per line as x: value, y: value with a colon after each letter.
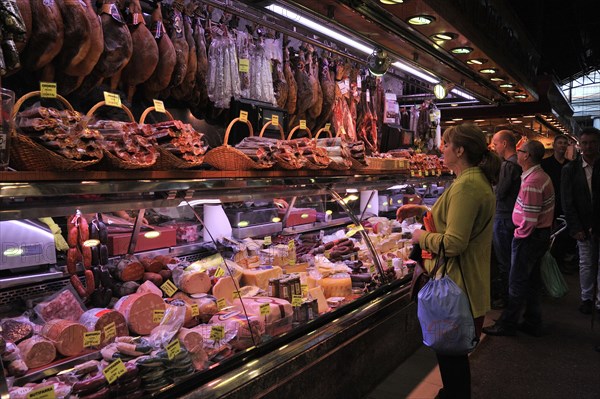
x: 159, y: 106
x: 219, y: 272
x: 157, y: 315
x: 244, y: 65
x: 112, y: 99
x: 327, y: 127
x: 48, y: 89
x: 275, y: 120
x: 302, y: 124
x: 265, y: 309
x: 221, y: 303
x: 195, y: 310
x: 110, y: 331
x: 296, y: 300
x: 244, y: 116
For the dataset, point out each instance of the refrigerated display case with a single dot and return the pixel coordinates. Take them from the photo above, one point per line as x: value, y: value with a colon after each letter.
x: 311, y: 249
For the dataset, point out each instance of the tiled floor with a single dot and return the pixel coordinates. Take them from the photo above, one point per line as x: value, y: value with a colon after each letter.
x: 418, y: 377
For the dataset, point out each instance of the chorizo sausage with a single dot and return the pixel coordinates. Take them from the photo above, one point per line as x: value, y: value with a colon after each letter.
x: 81, y: 291
x: 90, y: 284
x: 86, y: 253
x: 73, y: 256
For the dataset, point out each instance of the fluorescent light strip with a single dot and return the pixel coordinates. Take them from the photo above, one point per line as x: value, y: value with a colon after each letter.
x: 346, y: 40
x: 462, y: 94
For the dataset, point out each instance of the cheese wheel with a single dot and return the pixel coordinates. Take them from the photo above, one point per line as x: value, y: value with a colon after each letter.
x: 97, y: 319
x: 138, y: 310
x: 37, y: 351
x: 66, y: 335
x: 339, y: 284
x: 195, y: 282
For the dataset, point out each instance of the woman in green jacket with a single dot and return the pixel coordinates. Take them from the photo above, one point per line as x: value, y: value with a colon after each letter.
x: 463, y: 218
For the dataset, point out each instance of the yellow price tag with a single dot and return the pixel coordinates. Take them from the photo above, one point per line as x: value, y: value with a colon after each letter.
x: 412, y: 173
x: 291, y: 245
x: 439, y: 172
x: 157, y: 315
x: 296, y: 300
x: 236, y: 294
x: 244, y: 116
x: 110, y: 331
x: 275, y: 120
x: 265, y: 309
x: 112, y: 99
x: 304, y: 289
x: 195, y: 310
x: 268, y: 240
x: 47, y: 89
x: 217, y: 333
x: 389, y: 263
x: 420, y: 173
x: 169, y: 288
x: 426, y: 173
x: 327, y: 253
x: 244, y: 65
x: 91, y: 338
x: 354, y: 230
x: 159, y: 106
x: 221, y: 303
x: 46, y: 392
x: 302, y: 124
x: 219, y: 272
x: 327, y: 127
x: 114, y: 370
x: 372, y: 269
x: 173, y: 349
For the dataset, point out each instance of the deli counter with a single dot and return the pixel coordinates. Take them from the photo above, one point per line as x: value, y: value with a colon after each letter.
x: 205, y: 284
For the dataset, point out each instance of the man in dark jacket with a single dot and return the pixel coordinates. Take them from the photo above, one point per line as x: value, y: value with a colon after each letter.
x: 576, y: 193
x: 506, y: 192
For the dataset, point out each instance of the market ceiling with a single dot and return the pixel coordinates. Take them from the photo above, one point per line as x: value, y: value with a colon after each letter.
x: 494, y: 49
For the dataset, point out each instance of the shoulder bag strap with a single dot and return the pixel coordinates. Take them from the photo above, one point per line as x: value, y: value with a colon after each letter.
x: 465, y: 284
x: 440, y: 260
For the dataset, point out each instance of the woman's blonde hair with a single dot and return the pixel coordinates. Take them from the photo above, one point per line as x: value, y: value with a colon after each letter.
x: 472, y: 139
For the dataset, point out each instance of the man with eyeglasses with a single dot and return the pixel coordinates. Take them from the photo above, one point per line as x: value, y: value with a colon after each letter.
x: 577, y: 197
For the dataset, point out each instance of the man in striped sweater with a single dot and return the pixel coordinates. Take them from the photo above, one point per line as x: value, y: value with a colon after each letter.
x: 532, y: 216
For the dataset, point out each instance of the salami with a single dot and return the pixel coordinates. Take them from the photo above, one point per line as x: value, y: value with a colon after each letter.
x: 139, y: 311
x: 97, y: 319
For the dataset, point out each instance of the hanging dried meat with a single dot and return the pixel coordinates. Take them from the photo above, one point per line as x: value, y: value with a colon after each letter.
x: 199, y: 101
x: 342, y: 121
x: 305, y: 88
x: 144, y: 58
x: 47, y: 35
x: 180, y: 139
x: 260, y: 75
x: 242, y: 45
x: 280, y: 86
x: 183, y: 92
x: 291, y: 82
x: 24, y: 7
x: 328, y: 88
x: 313, y: 72
x: 161, y: 77
x: 223, y: 78
x: 61, y: 132
x: 176, y: 30
x: 118, y: 48
x: 77, y: 31
x: 12, y: 30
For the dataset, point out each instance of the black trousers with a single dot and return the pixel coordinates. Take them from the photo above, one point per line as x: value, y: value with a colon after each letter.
x: 456, y: 372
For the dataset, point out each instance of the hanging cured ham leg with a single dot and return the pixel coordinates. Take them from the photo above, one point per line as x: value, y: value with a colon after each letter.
x: 144, y: 59
x: 47, y: 35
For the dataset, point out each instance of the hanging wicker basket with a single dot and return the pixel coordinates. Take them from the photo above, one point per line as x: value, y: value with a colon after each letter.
x: 111, y: 161
x: 26, y: 154
x: 226, y: 157
x: 166, y: 160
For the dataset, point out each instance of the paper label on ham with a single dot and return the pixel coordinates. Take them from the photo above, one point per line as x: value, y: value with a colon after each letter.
x: 158, y: 315
x: 173, y: 349
x: 110, y: 331
x: 219, y: 272
x: 217, y: 333
x: 42, y: 393
x: 195, y: 310
x: 296, y: 300
x: 221, y: 303
x: 265, y: 309
x: 114, y: 370
x: 169, y: 288
x: 91, y: 338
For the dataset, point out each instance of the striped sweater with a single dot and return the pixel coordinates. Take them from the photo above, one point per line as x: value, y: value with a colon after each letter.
x: 534, y: 208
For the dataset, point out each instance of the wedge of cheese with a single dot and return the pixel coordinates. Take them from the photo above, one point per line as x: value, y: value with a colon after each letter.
x: 260, y: 276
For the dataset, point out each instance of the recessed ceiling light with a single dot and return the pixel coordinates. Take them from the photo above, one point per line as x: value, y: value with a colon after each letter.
x: 507, y: 85
x: 488, y: 70
x: 421, y: 20
x: 521, y: 96
x: 454, y: 105
x: 444, y: 36
x: 477, y: 61
x: 457, y: 119
x: 391, y: 2
x: 479, y: 120
x: 517, y: 121
x: 529, y: 116
x: 511, y: 91
x: 496, y: 79
x: 461, y: 50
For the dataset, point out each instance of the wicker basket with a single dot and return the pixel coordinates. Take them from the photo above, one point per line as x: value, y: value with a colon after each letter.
x: 26, y: 154
x: 111, y: 161
x: 392, y: 164
x: 166, y: 160
x: 226, y: 157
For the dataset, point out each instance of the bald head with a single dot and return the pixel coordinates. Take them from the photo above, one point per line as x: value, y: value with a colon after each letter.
x: 505, y: 143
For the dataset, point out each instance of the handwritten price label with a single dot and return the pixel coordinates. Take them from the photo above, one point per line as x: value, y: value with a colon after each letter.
x: 42, y: 393
x: 173, y: 349
x: 48, y: 89
x: 244, y: 116
x: 219, y: 272
x: 195, y: 310
x: 296, y: 300
x: 157, y: 315
x: 114, y: 370
x: 169, y: 288
x: 275, y: 120
x: 221, y: 303
x: 265, y: 309
x: 111, y: 99
x: 110, y: 331
x: 291, y: 245
x: 244, y: 65
x: 302, y: 124
x: 327, y: 127
x: 91, y: 338
x: 159, y: 106
x: 217, y: 333
x: 268, y: 240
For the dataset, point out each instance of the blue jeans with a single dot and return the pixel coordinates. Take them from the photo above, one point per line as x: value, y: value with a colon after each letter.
x: 525, y: 281
x: 504, y: 230
x: 588, y: 269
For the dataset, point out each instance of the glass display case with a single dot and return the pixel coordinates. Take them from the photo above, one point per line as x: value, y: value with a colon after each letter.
x: 201, y: 284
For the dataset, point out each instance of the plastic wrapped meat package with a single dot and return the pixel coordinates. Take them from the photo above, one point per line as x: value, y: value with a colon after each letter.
x: 186, y: 230
x: 279, y: 317
x: 241, y: 332
x: 61, y: 305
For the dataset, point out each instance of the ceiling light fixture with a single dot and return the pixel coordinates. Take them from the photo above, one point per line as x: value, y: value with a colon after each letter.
x: 454, y: 105
x: 511, y: 91
x: 520, y: 96
x: 457, y: 119
x: 439, y: 91
x: 443, y: 36
x: 477, y: 61
x: 346, y: 40
x: 421, y: 20
x: 462, y: 94
x: 488, y: 70
x: 462, y: 50
x: 507, y: 85
x: 496, y: 79
x: 391, y: 2
x: 479, y: 120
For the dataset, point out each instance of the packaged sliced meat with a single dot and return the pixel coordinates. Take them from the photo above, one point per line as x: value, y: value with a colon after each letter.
x: 97, y: 319
x: 249, y: 330
x: 14, y: 330
x: 66, y: 335
x: 277, y: 321
x: 61, y: 305
x: 140, y: 311
x: 37, y: 351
